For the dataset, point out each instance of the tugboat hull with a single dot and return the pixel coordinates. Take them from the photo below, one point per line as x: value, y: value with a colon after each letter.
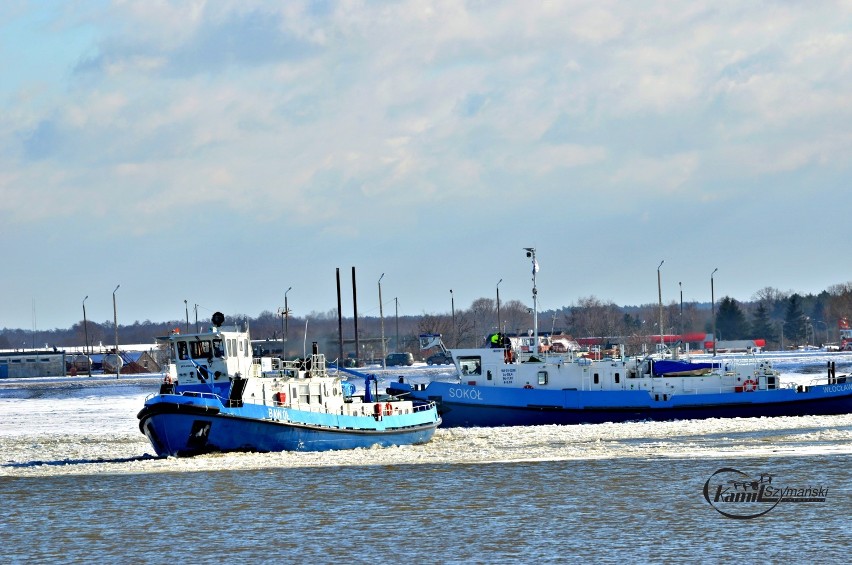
x: 175, y: 429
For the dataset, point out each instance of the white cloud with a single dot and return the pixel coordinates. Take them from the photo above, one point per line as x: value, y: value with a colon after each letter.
x: 312, y: 114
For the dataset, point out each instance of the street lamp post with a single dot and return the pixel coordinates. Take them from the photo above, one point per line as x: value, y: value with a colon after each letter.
x: 499, y: 329
x: 382, y: 320
x: 660, y: 298
x: 713, y: 308
x: 115, y: 325
x: 453, y: 309
x: 826, y: 330
x: 86, y: 337
x: 286, y: 324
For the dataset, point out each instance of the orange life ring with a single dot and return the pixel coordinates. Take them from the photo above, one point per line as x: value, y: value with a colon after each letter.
x: 388, y: 409
x: 528, y: 386
x: 749, y: 385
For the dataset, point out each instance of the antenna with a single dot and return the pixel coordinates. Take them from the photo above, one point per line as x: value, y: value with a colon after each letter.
x: 531, y: 254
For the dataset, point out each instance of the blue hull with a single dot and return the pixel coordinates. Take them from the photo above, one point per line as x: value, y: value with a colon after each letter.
x: 178, y: 427
x: 468, y: 406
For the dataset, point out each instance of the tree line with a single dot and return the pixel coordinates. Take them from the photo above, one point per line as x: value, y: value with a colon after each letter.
x: 771, y: 314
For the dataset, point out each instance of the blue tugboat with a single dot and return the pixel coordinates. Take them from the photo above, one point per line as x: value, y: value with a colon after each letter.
x: 217, y: 397
x: 514, y: 383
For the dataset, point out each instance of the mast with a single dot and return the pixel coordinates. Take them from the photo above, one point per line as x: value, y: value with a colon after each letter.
x: 531, y: 253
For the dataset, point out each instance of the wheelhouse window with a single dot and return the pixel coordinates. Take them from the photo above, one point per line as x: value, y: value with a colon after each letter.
x: 470, y: 365
x: 200, y: 349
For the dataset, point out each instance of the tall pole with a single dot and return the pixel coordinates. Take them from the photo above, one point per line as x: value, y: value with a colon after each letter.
x: 197, y: 330
x: 680, y: 286
x: 453, y: 309
x: 396, y: 304
x: 115, y: 324
x: 382, y: 318
x: 713, y: 308
x: 340, y: 358
x: 531, y: 253
x: 286, y: 320
x: 499, y: 330
x: 355, y: 316
x: 660, y: 298
x: 86, y: 337
x: 186, y: 307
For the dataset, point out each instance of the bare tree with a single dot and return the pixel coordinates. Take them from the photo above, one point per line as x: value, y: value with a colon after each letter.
x: 591, y: 317
x: 517, y: 317
x: 839, y: 303
x: 435, y: 324
x: 483, y: 315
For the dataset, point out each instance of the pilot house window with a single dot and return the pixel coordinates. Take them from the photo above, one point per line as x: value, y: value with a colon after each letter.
x: 200, y: 349
x: 470, y: 365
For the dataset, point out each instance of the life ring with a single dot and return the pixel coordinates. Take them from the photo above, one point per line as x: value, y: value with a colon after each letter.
x: 388, y: 409
x: 749, y: 385
x: 528, y: 386
x: 377, y: 409
x: 167, y: 380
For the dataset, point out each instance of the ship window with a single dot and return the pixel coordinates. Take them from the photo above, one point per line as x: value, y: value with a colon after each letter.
x: 617, y: 378
x: 304, y: 394
x: 200, y: 349
x: 470, y: 365
x: 217, y: 348
x: 542, y: 377
x: 597, y: 379
x: 489, y: 375
x: 181, y: 350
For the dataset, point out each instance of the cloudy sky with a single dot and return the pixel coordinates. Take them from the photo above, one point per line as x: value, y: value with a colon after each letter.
x: 222, y: 152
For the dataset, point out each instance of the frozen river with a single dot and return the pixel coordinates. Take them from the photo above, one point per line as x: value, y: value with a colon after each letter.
x: 72, y: 448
